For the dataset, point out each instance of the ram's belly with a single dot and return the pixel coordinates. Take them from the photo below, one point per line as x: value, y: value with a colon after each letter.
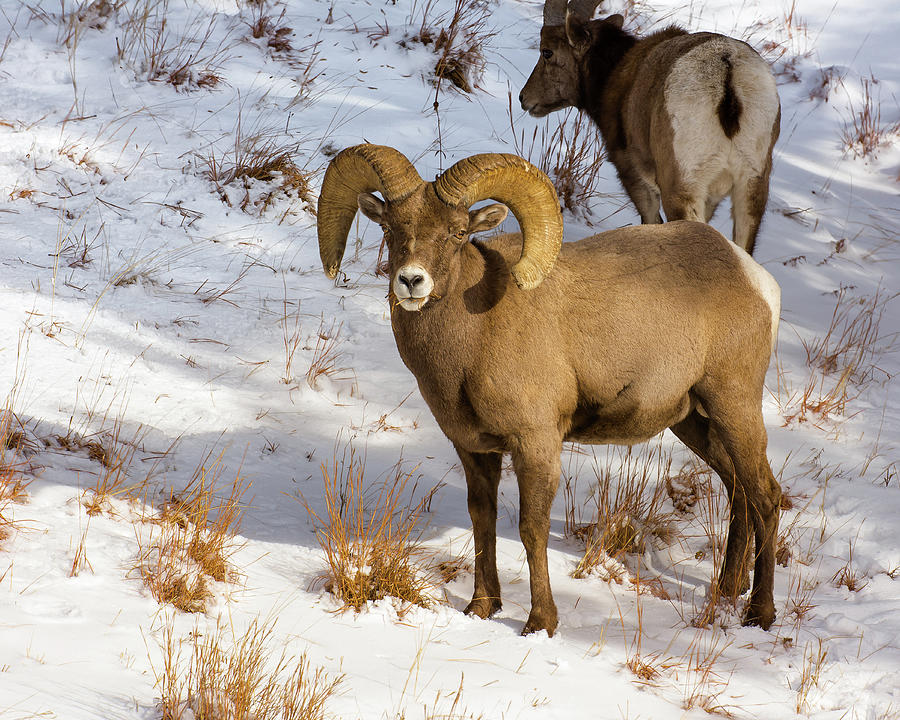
x: 627, y: 420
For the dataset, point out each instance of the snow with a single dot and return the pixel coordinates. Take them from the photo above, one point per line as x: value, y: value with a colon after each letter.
x: 137, y: 301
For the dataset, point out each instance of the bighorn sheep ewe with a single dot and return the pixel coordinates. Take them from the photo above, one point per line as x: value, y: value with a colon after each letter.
x: 520, y: 343
x: 686, y: 117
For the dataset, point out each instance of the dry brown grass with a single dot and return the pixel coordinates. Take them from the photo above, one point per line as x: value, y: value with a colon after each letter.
x: 258, y: 170
x: 227, y: 676
x: 810, y: 674
x: 864, y: 133
x: 701, y: 684
x: 370, y: 537
x: 848, y: 576
x: 841, y: 363
x: 188, y: 60
x: 327, y: 357
x: 13, y: 483
x: 712, y: 514
x: 192, y: 540
x: 291, y: 335
x: 571, y: 154
x: 458, y: 38
x: 628, y: 505
x: 114, y: 455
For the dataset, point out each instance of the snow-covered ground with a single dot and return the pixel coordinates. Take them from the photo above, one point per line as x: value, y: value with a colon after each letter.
x: 151, y: 310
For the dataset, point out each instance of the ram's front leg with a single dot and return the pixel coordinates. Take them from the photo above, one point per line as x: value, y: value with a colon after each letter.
x: 482, y: 478
x: 537, y: 467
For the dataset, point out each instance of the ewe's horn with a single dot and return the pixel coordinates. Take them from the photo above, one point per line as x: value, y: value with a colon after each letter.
x: 528, y: 193
x: 358, y: 169
x: 583, y: 9
x: 554, y: 13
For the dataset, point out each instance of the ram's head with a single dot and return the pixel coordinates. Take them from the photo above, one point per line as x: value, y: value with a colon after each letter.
x: 426, y: 223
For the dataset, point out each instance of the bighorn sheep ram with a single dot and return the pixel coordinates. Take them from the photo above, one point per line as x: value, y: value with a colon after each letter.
x: 521, y: 343
x: 686, y: 117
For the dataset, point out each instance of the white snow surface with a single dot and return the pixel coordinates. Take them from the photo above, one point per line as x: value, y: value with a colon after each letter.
x: 136, y: 294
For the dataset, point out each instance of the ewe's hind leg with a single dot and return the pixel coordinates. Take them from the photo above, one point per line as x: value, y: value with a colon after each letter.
x: 644, y: 195
x: 739, y: 425
x: 695, y: 432
x: 482, y: 478
x: 748, y: 203
x: 537, y: 467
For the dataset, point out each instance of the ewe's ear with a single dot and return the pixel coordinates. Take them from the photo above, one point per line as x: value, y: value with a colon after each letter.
x: 487, y: 217
x: 578, y: 34
x: 371, y: 206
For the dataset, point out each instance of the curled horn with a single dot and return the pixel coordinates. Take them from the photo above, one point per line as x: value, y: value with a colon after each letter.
x: 583, y: 9
x: 528, y: 193
x: 358, y: 169
x: 554, y: 13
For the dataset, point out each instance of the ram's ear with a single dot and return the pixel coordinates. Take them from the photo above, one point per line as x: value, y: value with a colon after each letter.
x: 371, y: 206
x: 486, y: 218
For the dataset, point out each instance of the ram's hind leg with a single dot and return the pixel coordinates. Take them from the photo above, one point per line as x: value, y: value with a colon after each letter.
x: 739, y: 425
x: 482, y: 478
x: 696, y: 432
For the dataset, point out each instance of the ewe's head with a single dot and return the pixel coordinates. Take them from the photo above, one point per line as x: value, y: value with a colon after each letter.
x: 568, y: 33
x: 426, y: 224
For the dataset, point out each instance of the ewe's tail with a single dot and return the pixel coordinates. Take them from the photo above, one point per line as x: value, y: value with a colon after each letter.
x: 730, y: 105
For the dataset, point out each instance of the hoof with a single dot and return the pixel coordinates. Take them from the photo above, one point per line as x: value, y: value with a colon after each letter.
x: 483, y: 607
x: 536, y: 623
x: 733, y: 587
x: 762, y: 617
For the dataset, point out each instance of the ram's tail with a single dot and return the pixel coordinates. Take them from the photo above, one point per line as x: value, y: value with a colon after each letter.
x: 730, y: 105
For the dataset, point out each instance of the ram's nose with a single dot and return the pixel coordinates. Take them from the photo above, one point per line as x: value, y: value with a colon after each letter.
x: 412, y: 278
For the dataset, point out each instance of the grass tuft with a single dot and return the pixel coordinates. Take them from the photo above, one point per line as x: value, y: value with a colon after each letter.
x: 371, y: 537
x: 840, y: 363
x: 231, y: 677
x: 257, y: 170
x: 628, y: 498
x: 192, y: 540
x: 458, y: 39
x: 13, y: 485
x: 864, y: 133
x: 148, y: 44
x: 571, y: 154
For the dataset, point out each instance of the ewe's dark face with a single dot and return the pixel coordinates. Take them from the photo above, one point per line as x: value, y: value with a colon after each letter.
x: 554, y: 82
x: 423, y: 237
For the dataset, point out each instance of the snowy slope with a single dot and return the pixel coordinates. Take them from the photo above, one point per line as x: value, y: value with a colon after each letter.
x: 148, y: 307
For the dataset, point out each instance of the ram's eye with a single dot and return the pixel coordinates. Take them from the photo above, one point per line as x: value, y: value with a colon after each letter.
x: 546, y: 54
x: 459, y: 234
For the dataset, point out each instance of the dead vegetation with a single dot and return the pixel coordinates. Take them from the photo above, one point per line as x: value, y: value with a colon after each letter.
x: 327, y: 357
x: 13, y: 483
x: 371, y: 537
x: 257, y: 170
x: 864, y: 133
x: 810, y: 674
x: 628, y: 501
x: 458, y: 38
x: 226, y: 675
x: 157, y: 52
x: 840, y: 364
x: 190, y: 542
x: 571, y: 154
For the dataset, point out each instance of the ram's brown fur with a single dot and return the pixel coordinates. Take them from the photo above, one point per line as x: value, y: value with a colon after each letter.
x: 631, y: 332
x: 687, y: 118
